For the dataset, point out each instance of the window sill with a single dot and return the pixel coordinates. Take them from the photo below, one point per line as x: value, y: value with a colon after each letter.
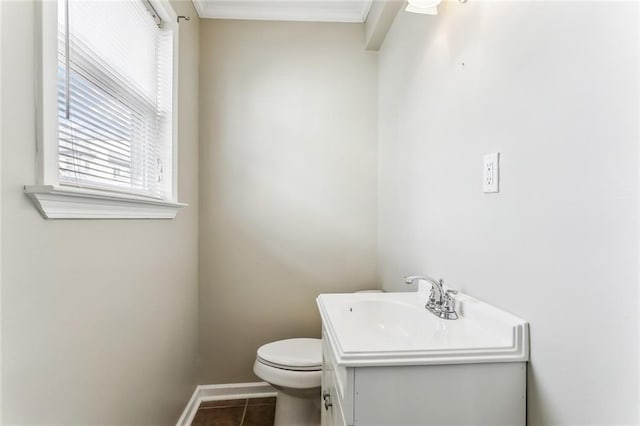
x: 56, y: 202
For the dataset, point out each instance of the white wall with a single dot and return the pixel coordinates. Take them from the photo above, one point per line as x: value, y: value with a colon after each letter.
x: 99, y: 318
x: 553, y: 86
x: 288, y: 182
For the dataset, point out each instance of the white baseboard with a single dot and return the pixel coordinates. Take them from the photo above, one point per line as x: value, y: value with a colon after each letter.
x: 220, y: 392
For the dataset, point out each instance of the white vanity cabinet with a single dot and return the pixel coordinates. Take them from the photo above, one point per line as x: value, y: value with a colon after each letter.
x: 492, y: 394
x: 443, y: 377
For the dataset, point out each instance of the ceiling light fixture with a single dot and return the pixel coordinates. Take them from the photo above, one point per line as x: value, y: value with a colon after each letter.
x: 426, y: 7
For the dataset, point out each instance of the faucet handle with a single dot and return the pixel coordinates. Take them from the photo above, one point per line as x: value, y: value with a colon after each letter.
x: 447, y: 297
x: 448, y: 303
x: 432, y: 293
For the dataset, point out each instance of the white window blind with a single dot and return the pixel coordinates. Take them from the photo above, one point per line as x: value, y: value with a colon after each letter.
x: 114, y: 98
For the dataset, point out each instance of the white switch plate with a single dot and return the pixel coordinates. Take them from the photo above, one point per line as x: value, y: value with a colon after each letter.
x: 491, y: 173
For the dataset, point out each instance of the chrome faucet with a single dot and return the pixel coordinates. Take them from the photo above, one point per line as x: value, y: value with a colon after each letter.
x: 435, y: 296
x: 440, y: 302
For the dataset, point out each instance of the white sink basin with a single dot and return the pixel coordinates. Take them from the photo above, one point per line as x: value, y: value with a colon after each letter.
x: 372, y: 329
x: 381, y: 321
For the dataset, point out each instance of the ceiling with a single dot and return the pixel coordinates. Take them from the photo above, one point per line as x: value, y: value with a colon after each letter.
x: 285, y: 10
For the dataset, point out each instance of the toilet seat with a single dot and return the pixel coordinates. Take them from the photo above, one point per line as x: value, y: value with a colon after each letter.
x: 301, y: 354
x: 279, y: 377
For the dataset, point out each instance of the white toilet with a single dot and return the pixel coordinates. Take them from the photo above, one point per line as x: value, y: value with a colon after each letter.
x: 294, y: 368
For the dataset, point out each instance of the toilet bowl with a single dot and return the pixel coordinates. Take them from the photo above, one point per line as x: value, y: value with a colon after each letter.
x: 294, y: 368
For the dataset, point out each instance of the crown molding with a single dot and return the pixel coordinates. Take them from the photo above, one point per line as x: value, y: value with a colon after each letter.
x: 347, y: 11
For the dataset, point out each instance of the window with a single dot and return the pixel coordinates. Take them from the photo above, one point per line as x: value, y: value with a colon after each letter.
x: 113, y: 151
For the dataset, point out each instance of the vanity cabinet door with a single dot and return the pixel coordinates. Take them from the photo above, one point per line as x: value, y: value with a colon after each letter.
x: 331, y: 404
x: 332, y: 414
x: 328, y: 392
x: 338, y: 413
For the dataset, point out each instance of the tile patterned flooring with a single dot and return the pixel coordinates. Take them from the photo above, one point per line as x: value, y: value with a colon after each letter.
x: 236, y: 412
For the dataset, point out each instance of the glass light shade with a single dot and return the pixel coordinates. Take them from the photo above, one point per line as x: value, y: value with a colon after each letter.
x: 428, y: 7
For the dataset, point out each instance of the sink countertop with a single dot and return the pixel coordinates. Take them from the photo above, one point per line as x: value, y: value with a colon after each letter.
x: 384, y: 329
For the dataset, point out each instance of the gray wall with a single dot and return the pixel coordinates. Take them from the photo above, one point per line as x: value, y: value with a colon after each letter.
x: 99, y: 318
x: 554, y: 87
x: 288, y: 182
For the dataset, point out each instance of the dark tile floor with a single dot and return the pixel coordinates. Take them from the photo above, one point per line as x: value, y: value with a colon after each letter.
x: 236, y: 412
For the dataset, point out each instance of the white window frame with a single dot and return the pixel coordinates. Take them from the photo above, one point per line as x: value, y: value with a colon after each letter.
x: 56, y: 201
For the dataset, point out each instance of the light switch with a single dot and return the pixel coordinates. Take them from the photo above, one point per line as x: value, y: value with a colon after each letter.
x: 491, y: 173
